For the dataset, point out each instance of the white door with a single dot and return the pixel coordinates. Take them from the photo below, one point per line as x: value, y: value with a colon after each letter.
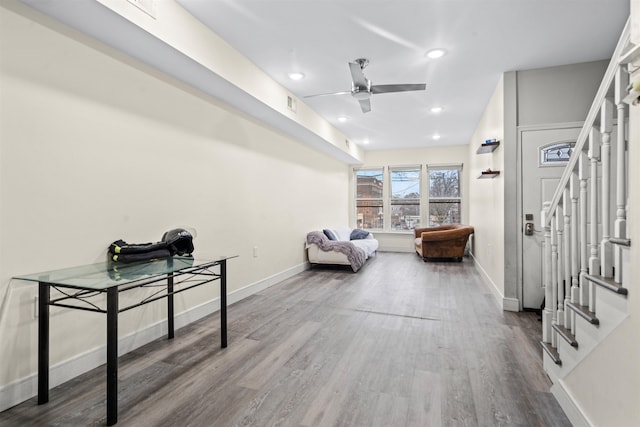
x: 542, y: 154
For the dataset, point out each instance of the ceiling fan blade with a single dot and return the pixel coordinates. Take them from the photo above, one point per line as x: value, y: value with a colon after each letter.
x: 365, y: 105
x: 329, y: 94
x: 357, y: 75
x: 397, y: 88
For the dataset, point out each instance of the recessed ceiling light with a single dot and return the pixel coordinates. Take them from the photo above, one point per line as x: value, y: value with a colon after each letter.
x: 436, y: 110
x: 342, y: 119
x: 296, y: 76
x: 435, y: 136
x: 365, y: 141
x: 435, y: 53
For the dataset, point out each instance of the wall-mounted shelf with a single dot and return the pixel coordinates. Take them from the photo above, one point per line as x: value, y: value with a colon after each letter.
x: 488, y: 146
x: 489, y: 174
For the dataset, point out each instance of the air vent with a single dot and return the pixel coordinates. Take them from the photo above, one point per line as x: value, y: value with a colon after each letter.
x: 291, y: 104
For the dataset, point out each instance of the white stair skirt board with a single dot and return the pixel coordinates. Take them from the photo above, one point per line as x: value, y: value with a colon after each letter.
x: 27, y: 387
x: 569, y: 406
x: 612, y: 309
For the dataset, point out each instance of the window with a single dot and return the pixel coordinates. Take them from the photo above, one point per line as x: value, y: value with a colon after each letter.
x: 444, y: 195
x: 369, y: 206
x: 402, y: 198
x: 557, y: 154
x: 405, y: 198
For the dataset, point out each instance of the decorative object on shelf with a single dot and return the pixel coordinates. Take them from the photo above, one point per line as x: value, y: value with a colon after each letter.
x: 488, y: 174
x: 488, y: 146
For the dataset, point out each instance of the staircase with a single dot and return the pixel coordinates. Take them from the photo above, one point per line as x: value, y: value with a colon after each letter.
x: 586, y: 245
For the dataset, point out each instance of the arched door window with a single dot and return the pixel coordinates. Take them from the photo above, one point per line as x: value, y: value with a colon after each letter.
x: 556, y: 154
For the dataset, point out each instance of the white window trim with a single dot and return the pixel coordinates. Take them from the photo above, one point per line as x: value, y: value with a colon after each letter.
x: 390, y: 197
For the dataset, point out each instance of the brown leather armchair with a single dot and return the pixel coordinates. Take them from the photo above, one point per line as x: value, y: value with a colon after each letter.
x: 444, y: 241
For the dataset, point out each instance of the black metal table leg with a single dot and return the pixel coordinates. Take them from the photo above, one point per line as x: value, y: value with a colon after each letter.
x: 43, y: 342
x: 170, y: 325
x: 223, y: 302
x: 112, y: 356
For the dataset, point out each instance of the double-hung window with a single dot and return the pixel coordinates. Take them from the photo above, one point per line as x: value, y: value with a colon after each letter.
x: 444, y: 194
x: 369, y: 198
x: 404, y: 197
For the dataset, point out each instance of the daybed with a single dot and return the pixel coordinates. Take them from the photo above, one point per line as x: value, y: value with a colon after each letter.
x: 342, y: 245
x: 444, y: 241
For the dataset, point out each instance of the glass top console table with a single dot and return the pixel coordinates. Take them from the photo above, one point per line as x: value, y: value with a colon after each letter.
x: 85, y: 287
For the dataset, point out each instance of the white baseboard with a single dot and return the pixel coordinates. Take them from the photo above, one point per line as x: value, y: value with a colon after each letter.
x: 27, y: 387
x: 569, y: 406
x: 396, y: 249
x: 508, y: 304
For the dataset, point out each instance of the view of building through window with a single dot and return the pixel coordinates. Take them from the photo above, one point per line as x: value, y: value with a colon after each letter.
x: 369, y: 206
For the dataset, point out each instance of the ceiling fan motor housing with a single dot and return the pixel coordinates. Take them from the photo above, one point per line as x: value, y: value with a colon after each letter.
x: 361, y: 92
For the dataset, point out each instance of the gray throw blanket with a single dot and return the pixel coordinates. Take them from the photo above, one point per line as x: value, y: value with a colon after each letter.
x: 355, y: 255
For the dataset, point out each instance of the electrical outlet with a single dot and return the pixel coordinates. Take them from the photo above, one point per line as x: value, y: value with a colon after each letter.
x: 255, y: 252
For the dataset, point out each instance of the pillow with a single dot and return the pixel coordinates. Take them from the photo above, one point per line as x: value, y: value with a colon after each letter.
x: 343, y: 233
x: 359, y: 234
x: 330, y: 234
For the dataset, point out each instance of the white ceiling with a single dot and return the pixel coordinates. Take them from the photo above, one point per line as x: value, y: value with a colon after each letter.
x: 484, y: 38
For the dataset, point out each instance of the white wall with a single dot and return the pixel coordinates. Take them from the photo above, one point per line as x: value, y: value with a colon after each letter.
x: 95, y: 147
x: 403, y: 241
x: 486, y: 200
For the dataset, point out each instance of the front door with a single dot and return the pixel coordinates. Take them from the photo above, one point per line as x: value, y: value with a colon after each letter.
x: 544, y: 153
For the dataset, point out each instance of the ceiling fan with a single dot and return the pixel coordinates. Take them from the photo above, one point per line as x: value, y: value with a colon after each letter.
x: 362, y: 89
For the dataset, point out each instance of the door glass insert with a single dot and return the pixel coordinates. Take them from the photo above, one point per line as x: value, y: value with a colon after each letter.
x: 556, y: 154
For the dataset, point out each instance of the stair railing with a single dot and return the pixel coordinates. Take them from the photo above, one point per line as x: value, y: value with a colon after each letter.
x: 579, y: 252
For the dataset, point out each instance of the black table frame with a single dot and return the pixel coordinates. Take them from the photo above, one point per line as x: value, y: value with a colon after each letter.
x: 192, y: 276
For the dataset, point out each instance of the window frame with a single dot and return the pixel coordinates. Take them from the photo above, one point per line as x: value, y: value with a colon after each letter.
x: 380, y: 199
x: 385, y: 202
x: 455, y: 199
x: 394, y: 201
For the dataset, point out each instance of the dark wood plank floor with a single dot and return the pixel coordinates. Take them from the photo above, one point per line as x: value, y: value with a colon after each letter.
x: 400, y: 343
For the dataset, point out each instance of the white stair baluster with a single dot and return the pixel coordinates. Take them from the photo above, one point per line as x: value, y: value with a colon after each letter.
x: 583, y: 173
x: 547, y: 315
x: 606, y: 126
x: 560, y: 263
x: 554, y: 278
x: 620, y: 225
x: 574, y: 192
x: 566, y: 207
x: 594, y: 260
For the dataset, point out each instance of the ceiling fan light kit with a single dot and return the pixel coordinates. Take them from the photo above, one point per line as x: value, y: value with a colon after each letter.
x: 362, y: 89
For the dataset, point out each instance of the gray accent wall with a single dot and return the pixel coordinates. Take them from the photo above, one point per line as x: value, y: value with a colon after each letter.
x: 558, y: 94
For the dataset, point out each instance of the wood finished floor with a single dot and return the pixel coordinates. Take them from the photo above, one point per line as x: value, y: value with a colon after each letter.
x: 400, y: 343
